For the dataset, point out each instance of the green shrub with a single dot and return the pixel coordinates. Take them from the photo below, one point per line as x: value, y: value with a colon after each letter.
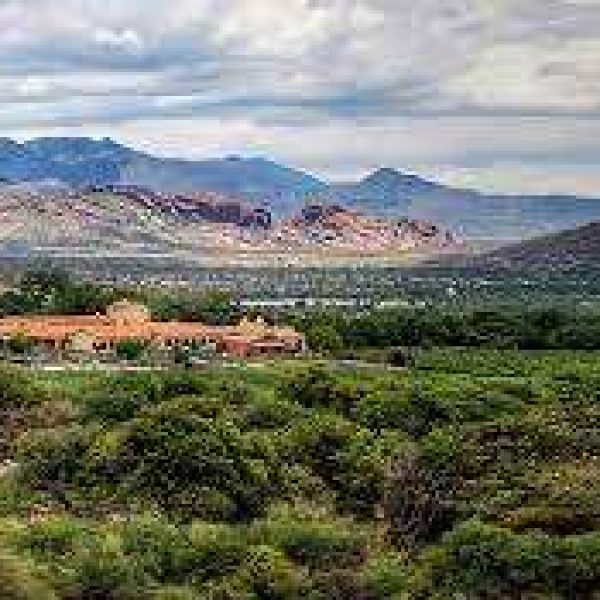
x: 337, y: 584
x: 172, y: 592
x: 53, y: 460
x: 558, y: 498
x: 483, y: 560
x: 318, y: 442
x: 130, y: 349
x: 84, y: 561
x: 319, y: 543
x: 387, y: 575
x: 113, y: 406
x: 17, y: 390
x: 21, y: 580
x: 383, y: 410
x: 182, y: 554
x: 161, y: 549
x: 317, y: 387
x: 271, y: 575
x: 271, y: 413
x: 20, y: 343
x: 57, y: 539
x: 364, y: 468
x: 103, y: 571
x: 170, y: 455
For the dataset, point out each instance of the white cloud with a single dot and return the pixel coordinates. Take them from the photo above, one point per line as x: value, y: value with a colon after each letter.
x: 336, y: 85
x: 528, y: 76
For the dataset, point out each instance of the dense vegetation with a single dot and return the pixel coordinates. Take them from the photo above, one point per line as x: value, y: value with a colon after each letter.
x: 44, y: 289
x: 473, y: 475
x: 354, y: 286
x: 523, y: 328
x: 333, y: 332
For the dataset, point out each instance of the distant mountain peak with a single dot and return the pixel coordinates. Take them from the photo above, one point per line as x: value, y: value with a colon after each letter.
x: 74, y: 144
x: 384, y: 173
x: 389, y: 178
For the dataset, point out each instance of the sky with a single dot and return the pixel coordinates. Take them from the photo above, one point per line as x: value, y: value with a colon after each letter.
x: 499, y: 95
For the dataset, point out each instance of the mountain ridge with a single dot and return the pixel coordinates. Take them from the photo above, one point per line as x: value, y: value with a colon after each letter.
x: 140, y: 221
x: 385, y: 192
x: 570, y: 248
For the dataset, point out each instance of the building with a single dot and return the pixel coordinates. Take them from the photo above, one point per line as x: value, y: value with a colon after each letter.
x: 124, y: 320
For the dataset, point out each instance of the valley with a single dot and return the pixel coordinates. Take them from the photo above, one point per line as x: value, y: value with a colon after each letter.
x: 299, y: 300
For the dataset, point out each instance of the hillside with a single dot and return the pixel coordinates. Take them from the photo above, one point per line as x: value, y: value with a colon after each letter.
x: 478, y: 216
x: 571, y: 248
x: 137, y: 221
x: 474, y: 476
x: 81, y: 162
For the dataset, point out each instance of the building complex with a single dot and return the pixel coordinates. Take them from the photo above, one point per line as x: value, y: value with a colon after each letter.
x: 124, y: 321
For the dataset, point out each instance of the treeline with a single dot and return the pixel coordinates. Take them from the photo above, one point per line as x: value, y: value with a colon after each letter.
x: 48, y: 290
x: 547, y: 328
x: 45, y: 290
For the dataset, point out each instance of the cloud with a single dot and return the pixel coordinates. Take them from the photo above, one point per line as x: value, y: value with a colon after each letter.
x: 342, y: 76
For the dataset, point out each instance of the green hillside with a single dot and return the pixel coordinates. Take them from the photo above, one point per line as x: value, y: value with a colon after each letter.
x: 305, y: 480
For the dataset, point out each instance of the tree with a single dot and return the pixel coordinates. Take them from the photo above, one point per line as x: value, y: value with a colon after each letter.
x: 44, y: 279
x: 216, y: 308
x: 20, y: 343
x: 182, y: 356
x: 130, y: 349
x: 324, y: 339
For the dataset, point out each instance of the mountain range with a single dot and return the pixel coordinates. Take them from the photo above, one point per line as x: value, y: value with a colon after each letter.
x: 97, y: 221
x: 387, y: 193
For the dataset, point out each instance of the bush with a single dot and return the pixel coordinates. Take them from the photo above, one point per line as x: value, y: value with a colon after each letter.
x: 313, y: 542
x: 53, y: 460
x: 183, y: 555
x: 19, y: 402
x: 319, y: 388
x: 174, y: 593
x: 318, y: 442
x: 103, y: 572
x: 17, y: 390
x: 20, y: 344
x: 271, y: 413
x: 414, y: 412
x: 270, y: 575
x: 57, y: 538
x: 338, y: 584
x: 483, y: 560
x: 20, y: 580
x: 387, y: 575
x: 418, y: 503
x: 364, y: 469
x: 84, y: 562
x: 130, y: 349
x: 198, y: 466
